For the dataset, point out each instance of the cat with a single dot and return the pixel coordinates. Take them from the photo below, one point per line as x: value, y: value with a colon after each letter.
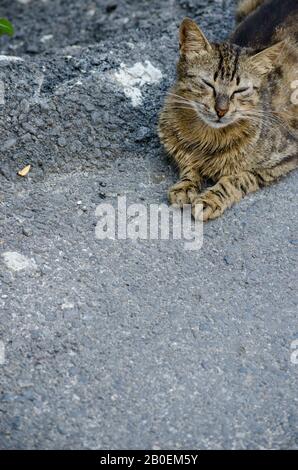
x: 231, y: 118
x: 246, y: 7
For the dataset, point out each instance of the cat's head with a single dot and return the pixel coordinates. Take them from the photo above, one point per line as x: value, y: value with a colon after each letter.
x: 220, y: 81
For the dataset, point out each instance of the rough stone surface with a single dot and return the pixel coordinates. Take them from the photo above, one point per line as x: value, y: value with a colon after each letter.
x: 130, y: 344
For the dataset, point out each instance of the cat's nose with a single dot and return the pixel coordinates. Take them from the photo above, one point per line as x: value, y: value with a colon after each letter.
x: 222, y: 105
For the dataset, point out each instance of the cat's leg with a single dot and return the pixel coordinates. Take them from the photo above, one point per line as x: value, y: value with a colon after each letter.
x: 186, y: 190
x: 229, y: 189
x: 246, y: 7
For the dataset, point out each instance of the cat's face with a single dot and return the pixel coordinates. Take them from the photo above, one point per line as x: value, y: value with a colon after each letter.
x: 220, y: 82
x: 218, y: 97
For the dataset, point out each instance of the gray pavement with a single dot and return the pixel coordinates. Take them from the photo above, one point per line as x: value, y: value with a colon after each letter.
x: 130, y: 344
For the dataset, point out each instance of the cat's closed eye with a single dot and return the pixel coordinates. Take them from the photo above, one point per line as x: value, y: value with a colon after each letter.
x: 208, y: 83
x: 243, y: 92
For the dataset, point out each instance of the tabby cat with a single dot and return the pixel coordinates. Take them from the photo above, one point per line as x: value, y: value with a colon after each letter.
x: 231, y: 118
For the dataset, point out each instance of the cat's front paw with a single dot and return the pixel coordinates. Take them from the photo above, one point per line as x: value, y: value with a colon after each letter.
x: 207, y: 207
x: 183, y: 192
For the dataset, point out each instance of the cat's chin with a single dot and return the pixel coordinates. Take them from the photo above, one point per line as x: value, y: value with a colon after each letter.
x: 217, y: 124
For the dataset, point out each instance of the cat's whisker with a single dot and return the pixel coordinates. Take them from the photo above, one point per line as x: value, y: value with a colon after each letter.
x: 183, y: 102
x: 175, y: 94
x: 190, y: 105
x: 180, y: 98
x: 263, y: 114
x: 189, y: 108
x: 267, y: 120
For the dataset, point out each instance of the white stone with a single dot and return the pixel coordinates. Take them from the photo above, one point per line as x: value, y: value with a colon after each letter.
x: 17, y: 262
x: 10, y: 58
x: 134, y: 78
x: 46, y: 37
x: 67, y: 305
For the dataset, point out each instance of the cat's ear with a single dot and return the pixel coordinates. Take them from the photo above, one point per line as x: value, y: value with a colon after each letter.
x: 266, y: 60
x: 192, y: 39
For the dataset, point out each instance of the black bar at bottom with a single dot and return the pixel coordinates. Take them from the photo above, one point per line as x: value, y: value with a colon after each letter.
x: 142, y: 458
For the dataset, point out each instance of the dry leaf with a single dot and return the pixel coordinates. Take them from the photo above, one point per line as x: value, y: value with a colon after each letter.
x: 24, y: 171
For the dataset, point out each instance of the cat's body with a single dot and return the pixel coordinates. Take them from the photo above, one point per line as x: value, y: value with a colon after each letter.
x: 231, y: 117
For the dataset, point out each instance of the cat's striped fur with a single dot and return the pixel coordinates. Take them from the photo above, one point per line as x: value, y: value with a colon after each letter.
x: 230, y: 117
